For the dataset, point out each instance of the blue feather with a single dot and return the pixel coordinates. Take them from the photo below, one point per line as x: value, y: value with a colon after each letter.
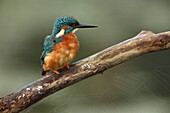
x: 48, y: 46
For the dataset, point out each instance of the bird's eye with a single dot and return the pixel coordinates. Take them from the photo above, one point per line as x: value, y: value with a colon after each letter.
x: 70, y: 24
x: 75, y: 24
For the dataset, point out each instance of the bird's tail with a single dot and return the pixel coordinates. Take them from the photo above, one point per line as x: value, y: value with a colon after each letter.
x: 43, y: 73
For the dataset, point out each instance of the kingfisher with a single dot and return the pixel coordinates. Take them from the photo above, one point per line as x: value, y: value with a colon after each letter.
x: 61, y: 47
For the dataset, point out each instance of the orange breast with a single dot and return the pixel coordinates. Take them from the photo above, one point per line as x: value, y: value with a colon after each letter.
x: 63, y: 53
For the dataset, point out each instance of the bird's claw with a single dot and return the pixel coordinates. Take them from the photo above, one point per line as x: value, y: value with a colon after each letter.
x: 56, y: 72
x: 67, y: 66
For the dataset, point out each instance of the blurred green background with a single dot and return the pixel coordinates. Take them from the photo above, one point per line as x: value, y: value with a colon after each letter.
x: 141, y: 85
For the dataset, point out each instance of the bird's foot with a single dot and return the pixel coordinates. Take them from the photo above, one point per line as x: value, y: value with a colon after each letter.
x: 67, y: 66
x: 56, y: 72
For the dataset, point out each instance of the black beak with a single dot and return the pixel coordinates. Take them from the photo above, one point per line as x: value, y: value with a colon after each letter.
x: 85, y: 26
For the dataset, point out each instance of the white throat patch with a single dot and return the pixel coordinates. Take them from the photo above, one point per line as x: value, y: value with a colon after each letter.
x: 75, y: 30
x: 61, y: 33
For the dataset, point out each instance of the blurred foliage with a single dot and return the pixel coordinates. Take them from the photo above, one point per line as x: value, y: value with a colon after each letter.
x: 140, y: 85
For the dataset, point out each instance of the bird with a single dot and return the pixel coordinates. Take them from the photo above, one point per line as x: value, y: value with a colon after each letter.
x: 61, y: 47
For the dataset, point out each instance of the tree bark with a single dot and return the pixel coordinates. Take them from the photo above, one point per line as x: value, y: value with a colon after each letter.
x: 144, y: 42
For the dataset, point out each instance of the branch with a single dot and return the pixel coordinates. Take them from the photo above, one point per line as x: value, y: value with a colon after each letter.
x: 144, y: 42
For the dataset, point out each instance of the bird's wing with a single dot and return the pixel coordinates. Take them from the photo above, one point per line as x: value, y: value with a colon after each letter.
x: 48, y: 47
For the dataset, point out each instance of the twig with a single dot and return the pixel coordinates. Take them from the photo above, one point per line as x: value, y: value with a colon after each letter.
x: 144, y: 42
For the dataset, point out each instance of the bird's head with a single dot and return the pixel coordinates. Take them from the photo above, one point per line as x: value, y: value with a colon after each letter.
x: 65, y: 25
